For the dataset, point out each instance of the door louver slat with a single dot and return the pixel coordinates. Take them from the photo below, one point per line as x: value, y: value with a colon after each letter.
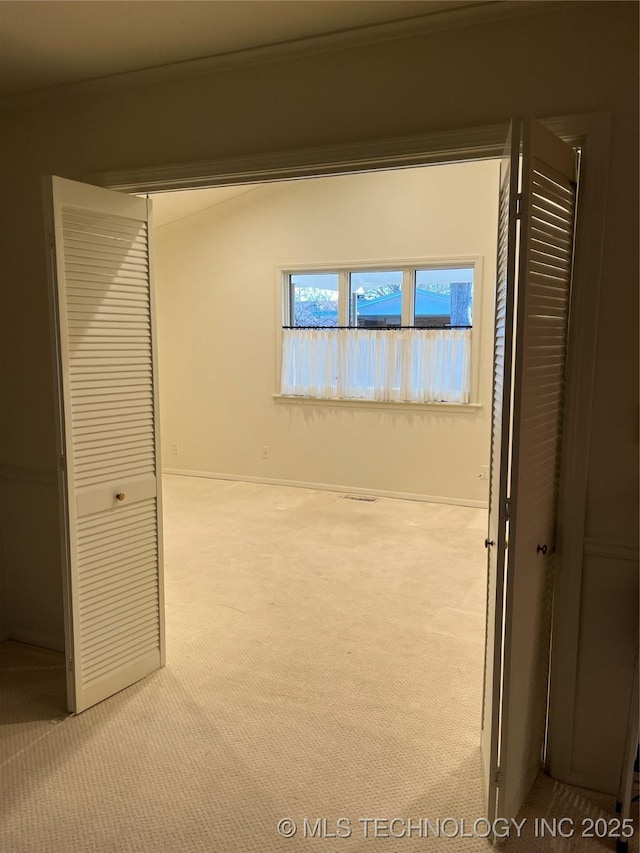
x: 91, y: 425
x: 121, y: 461
x: 119, y: 233
x: 118, y: 640
x: 93, y: 421
x: 116, y: 520
x: 106, y: 381
x: 121, y: 299
x: 94, y: 253
x: 129, y: 591
x: 117, y: 446
x: 78, y: 266
x: 88, y: 246
x: 94, y: 568
x: 134, y: 570
x: 104, y: 622
x: 94, y: 289
x: 136, y: 653
x: 100, y: 546
x: 95, y: 530
x: 103, y: 225
x: 117, y: 436
x: 104, y: 401
x: 113, y: 475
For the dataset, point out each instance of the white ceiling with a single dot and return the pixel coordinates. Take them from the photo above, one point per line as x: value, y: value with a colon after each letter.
x: 46, y: 43
x: 169, y: 207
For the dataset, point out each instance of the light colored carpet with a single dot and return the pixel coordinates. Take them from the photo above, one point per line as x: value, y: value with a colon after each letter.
x: 324, y: 661
x: 32, y: 698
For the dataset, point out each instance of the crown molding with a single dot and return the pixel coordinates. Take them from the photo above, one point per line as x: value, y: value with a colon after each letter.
x: 439, y: 147
x: 444, y: 19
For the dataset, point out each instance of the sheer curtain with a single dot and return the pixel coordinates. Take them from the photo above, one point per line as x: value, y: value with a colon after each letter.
x: 404, y: 365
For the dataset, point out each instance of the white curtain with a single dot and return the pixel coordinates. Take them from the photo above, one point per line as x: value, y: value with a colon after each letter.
x: 406, y: 365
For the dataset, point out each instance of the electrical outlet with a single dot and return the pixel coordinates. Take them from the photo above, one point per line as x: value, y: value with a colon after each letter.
x: 175, y: 449
x: 266, y: 451
x: 484, y: 472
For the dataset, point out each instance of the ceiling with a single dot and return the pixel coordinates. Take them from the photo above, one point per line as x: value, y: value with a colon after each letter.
x: 169, y: 207
x: 55, y: 42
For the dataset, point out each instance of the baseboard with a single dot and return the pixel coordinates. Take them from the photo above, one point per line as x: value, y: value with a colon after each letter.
x: 328, y: 487
x: 590, y: 782
x: 31, y: 638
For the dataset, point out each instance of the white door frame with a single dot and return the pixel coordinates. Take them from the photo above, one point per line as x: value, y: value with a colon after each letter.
x: 592, y: 133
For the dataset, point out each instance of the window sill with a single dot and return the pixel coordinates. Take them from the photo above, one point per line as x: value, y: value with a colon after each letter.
x: 459, y: 408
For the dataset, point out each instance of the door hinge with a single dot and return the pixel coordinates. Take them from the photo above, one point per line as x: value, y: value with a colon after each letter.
x: 496, y: 776
x: 507, y: 508
x: 518, y: 205
x: 70, y: 664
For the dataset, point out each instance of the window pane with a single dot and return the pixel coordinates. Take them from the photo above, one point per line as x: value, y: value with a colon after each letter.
x: 375, y: 299
x: 314, y: 299
x: 444, y: 297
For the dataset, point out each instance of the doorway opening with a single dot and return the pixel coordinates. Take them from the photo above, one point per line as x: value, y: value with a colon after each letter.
x: 349, y: 620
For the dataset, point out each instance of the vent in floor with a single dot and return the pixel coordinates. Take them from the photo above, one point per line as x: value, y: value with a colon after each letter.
x: 360, y: 498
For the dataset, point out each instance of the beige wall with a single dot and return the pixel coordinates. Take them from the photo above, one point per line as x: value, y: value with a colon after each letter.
x: 219, y: 308
x: 569, y: 58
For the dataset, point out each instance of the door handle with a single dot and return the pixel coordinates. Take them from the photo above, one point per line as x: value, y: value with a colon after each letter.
x: 488, y: 543
x: 541, y: 549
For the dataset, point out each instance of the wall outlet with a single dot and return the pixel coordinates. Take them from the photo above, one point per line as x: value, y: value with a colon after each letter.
x: 175, y: 449
x: 484, y: 472
x: 266, y: 451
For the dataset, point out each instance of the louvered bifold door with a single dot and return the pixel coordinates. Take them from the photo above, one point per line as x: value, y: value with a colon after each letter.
x: 499, y: 467
x: 547, y: 213
x: 108, y: 436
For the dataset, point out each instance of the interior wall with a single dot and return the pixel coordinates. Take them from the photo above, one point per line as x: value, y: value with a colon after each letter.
x: 568, y: 58
x: 219, y: 309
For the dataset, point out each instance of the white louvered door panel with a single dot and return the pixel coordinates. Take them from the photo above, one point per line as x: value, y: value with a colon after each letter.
x: 104, y: 329
x: 548, y: 198
x: 499, y: 467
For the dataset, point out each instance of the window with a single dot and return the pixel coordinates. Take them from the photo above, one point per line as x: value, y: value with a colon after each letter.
x: 375, y: 299
x: 395, y: 334
x: 314, y: 299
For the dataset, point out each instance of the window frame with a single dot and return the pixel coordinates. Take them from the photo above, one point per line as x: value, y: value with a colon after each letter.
x: 408, y: 266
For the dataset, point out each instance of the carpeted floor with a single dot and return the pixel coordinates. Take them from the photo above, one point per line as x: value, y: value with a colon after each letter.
x: 324, y: 662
